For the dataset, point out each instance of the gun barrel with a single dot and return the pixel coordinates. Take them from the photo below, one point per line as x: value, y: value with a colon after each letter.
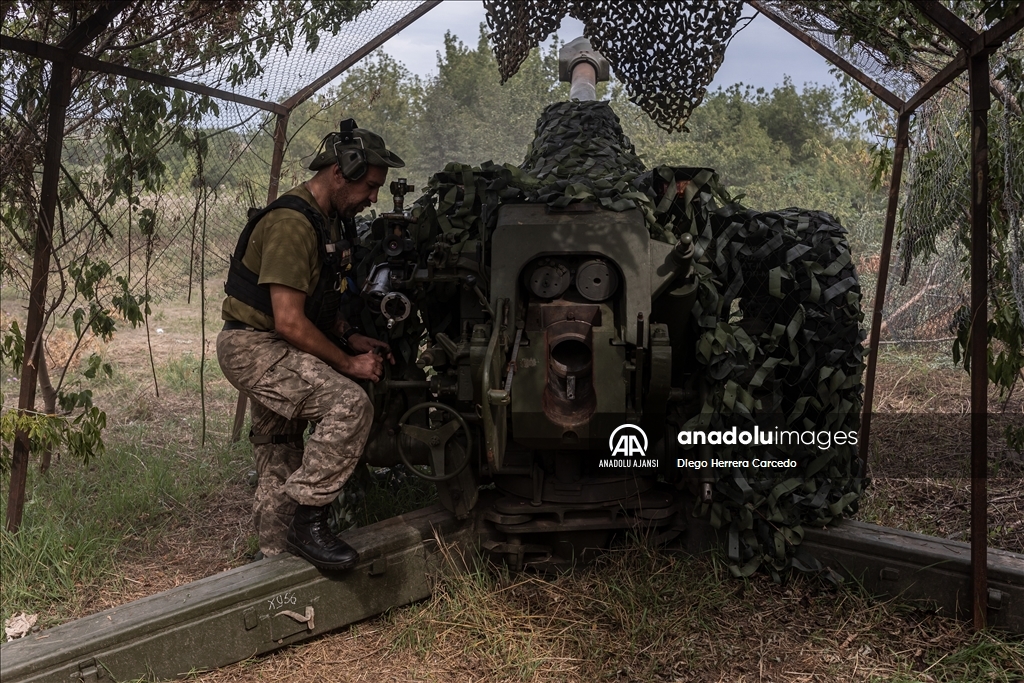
x: 583, y: 67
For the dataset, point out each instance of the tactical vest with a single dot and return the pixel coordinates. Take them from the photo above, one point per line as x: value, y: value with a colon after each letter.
x: 335, y: 259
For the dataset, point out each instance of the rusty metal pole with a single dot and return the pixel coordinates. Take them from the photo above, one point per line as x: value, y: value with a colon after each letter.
x: 59, y: 98
x: 902, y: 136
x: 280, y: 138
x: 978, y: 73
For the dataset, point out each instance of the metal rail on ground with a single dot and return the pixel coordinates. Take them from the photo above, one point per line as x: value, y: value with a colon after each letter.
x: 270, y: 604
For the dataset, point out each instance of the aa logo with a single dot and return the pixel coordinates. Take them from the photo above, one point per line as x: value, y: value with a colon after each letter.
x: 628, y: 441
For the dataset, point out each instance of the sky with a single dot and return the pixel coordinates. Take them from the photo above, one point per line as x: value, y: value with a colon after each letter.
x: 760, y: 55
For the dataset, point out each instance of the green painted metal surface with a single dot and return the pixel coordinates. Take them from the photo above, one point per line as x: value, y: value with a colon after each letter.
x: 918, y: 568
x: 236, y: 614
x: 264, y: 606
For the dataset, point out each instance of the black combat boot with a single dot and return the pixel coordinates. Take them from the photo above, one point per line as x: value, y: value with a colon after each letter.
x: 310, y: 537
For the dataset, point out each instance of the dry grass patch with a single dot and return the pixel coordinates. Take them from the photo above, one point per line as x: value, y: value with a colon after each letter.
x: 211, y: 536
x: 920, y: 456
x: 642, y: 615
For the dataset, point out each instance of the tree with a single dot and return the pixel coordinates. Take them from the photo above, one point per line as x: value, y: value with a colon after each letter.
x: 897, y: 36
x: 776, y: 148
x: 380, y: 94
x: 135, y: 121
x: 467, y: 115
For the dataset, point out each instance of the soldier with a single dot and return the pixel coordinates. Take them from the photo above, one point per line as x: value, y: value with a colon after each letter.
x: 286, y: 347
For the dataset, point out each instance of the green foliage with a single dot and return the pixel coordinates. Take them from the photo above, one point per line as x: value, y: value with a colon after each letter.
x: 87, y: 276
x: 896, y: 28
x: 94, y: 365
x: 129, y: 305
x: 79, y: 437
x: 773, y: 149
x: 12, y: 348
x: 466, y: 115
x: 260, y: 31
x: 463, y: 113
x: 81, y: 521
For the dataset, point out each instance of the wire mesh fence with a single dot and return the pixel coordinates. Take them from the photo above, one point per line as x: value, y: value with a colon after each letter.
x: 286, y: 73
x: 928, y: 290
x: 180, y: 234
x: 901, y: 72
x: 165, y: 239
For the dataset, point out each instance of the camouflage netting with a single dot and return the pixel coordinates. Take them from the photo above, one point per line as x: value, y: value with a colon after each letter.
x: 778, y: 312
x: 666, y: 53
x: 579, y: 141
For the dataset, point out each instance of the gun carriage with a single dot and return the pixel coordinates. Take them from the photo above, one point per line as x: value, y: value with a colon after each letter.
x: 578, y: 297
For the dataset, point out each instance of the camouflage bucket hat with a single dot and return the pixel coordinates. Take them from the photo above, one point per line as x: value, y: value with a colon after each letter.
x: 377, y: 154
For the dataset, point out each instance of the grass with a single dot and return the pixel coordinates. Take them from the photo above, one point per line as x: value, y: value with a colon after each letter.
x: 80, y: 520
x: 181, y: 374
x: 159, y: 510
x: 920, y: 455
x: 639, y: 614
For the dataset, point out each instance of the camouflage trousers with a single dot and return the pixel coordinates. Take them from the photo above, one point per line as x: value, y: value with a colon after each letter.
x: 288, y: 388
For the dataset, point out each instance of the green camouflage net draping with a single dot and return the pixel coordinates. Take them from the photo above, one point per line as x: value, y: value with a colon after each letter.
x: 666, y: 53
x: 778, y: 313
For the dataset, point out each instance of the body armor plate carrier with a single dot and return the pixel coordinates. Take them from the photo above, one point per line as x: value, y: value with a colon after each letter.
x: 335, y: 259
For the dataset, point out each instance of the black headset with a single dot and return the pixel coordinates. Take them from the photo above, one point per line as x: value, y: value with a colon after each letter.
x: 349, y: 151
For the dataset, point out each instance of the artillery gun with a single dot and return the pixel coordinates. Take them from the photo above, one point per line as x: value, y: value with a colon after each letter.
x: 559, y: 324
x: 538, y: 313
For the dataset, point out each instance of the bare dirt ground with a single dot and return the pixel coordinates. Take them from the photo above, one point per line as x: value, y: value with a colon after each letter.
x: 202, y: 542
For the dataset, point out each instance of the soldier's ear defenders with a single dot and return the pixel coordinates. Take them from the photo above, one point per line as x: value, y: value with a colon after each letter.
x: 348, y: 149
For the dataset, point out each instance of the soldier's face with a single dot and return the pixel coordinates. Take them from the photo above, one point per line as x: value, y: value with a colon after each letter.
x: 353, y: 196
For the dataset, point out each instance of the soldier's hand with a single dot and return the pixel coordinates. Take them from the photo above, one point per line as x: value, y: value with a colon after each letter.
x: 360, y: 343
x: 365, y: 366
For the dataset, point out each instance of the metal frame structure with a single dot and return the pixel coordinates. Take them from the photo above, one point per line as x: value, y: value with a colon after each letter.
x: 975, y: 49
x: 65, y: 57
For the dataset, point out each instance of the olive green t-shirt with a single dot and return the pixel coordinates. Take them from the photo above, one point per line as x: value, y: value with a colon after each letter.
x: 283, y: 250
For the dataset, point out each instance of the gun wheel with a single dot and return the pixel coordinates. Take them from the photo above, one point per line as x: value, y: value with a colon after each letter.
x: 448, y: 455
